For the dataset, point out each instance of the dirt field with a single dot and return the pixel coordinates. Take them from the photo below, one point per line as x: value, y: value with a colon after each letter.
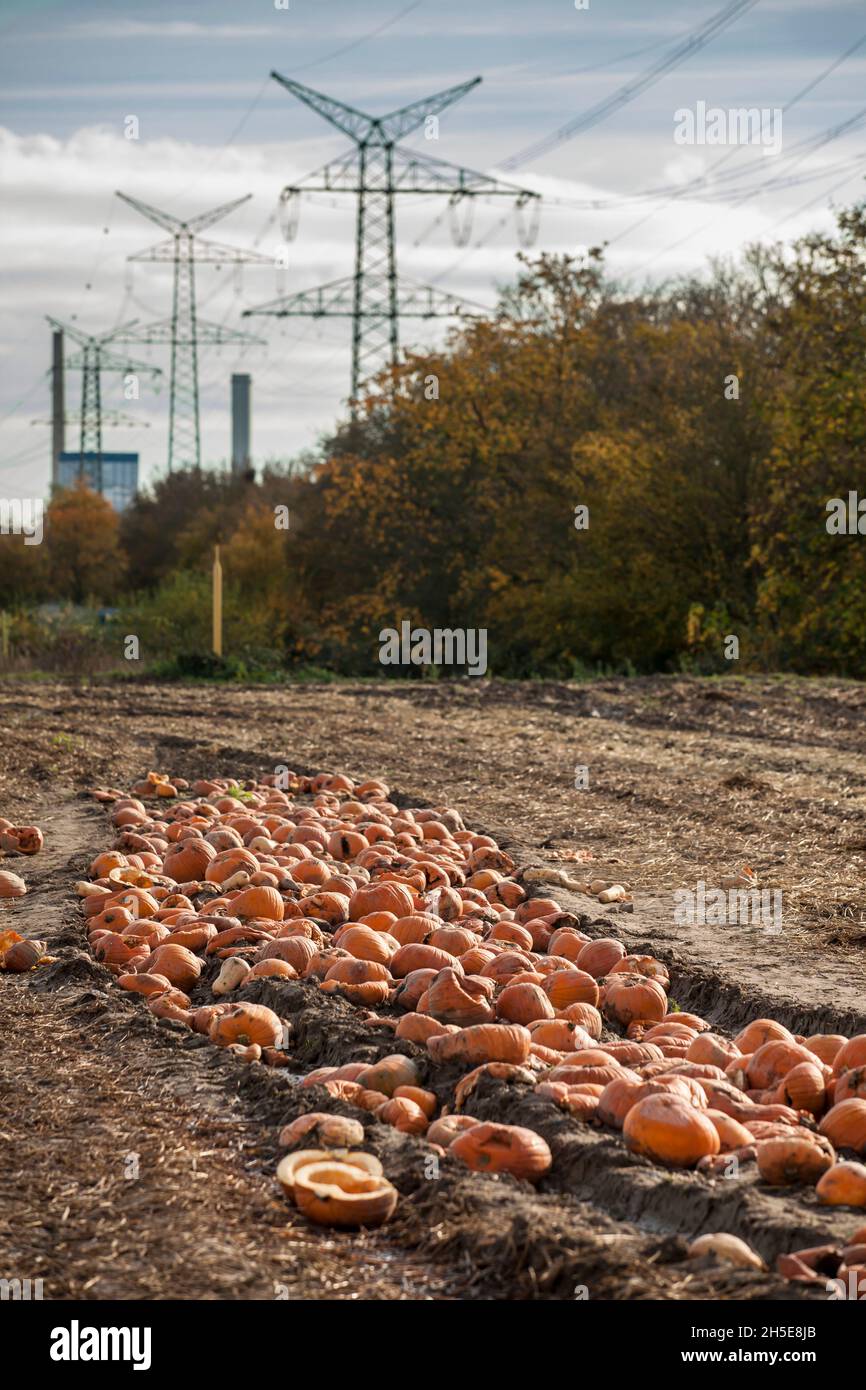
x: 144, y: 1158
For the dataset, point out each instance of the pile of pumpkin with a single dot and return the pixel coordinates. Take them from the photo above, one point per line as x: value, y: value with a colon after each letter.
x: 403, y: 909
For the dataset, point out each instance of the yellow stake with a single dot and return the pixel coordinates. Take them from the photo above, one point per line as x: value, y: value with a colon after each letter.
x: 217, y: 603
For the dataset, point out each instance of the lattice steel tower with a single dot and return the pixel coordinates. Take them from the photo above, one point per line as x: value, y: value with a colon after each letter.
x: 93, y: 358
x: 378, y: 169
x: 185, y: 331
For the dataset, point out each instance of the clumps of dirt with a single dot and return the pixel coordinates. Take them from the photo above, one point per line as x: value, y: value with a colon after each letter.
x: 730, y: 1006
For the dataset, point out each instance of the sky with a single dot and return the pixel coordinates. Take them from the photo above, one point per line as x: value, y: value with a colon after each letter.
x: 212, y: 126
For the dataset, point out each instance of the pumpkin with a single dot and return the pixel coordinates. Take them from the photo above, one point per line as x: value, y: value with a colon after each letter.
x: 628, y: 997
x: 852, y: 1054
x: 560, y: 1034
x: 845, y: 1124
x: 773, y: 1060
x: 297, y: 951
x: 187, y: 861
x: 381, y: 897
x: 826, y: 1046
x: 245, y: 1024
x: 22, y: 955
x: 144, y: 983
x: 178, y: 965
x: 565, y: 944
x: 643, y: 965
x: 193, y: 938
x: 415, y: 928
x: 425, y: 1099
x: 258, y: 902
x: 21, y: 839
x: 340, y: 1194
x: 11, y: 885
x: 843, y: 1185
x: 455, y: 998
x: 413, y: 986
x: 791, y: 1160
x: 350, y: 971
x: 404, y: 1114
x: 483, y: 1042
x: 417, y: 956
x: 370, y: 992
x: 447, y: 1128
x: 598, y: 958
x: 389, y: 1073
x: 760, y: 1031
x: 617, y: 1099
x: 725, y: 1249
x: 495, y: 1148
x: 586, y: 1016
x: 326, y: 1131
x: 289, y: 1166
x: 851, y: 1085
x: 523, y: 1003
x: 418, y: 1028
x: 709, y: 1047
x: 233, y: 973
x: 803, y: 1088
x: 454, y: 939
x: 732, y: 1134
x: 278, y: 969
x: 669, y: 1129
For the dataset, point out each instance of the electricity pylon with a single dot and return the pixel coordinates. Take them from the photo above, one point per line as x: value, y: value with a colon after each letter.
x: 96, y: 357
x: 184, y: 330
x: 375, y: 171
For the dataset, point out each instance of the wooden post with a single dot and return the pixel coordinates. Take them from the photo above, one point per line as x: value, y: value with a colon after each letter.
x: 217, y: 603
x: 5, y: 623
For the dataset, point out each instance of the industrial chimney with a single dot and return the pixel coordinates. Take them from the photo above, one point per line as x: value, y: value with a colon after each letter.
x: 58, y: 407
x: 240, y: 423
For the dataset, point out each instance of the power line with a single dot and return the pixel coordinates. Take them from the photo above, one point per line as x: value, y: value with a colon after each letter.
x: 789, y: 105
x: 693, y: 43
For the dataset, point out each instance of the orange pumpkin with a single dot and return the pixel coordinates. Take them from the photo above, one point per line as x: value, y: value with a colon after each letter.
x: 404, y: 1114
x: 803, y: 1088
x: 628, y: 997
x: 523, y: 1003
x: 381, y: 897
x: 389, y: 1073
x: 785, y: 1161
x: 598, y: 958
x: 187, y: 860
x: 483, y: 1042
x: 418, y: 956
x: 418, y: 1028
x: 845, y: 1124
x: 851, y: 1085
x: 669, y: 1129
x: 245, y: 1024
x: 843, y: 1185
x: 760, y: 1031
x: 773, y: 1060
x: 258, y: 902
x: 853, y: 1054
x: 495, y: 1148
x: 366, y: 944
x: 456, y: 998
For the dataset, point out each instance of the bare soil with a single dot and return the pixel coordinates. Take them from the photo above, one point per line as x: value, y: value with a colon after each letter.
x: 139, y: 1161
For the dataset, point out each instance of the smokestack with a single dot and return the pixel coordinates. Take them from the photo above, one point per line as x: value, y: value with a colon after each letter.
x: 240, y: 423
x: 58, y: 407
